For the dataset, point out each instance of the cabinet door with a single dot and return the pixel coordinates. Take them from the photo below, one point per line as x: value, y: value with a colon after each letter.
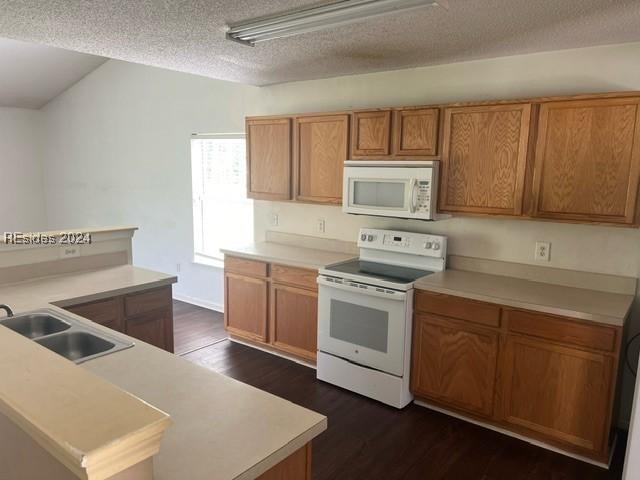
x: 108, y: 312
x: 559, y: 392
x: 245, y: 306
x: 322, y: 146
x: 294, y: 320
x: 587, y: 160
x: 269, y: 158
x: 484, y: 157
x: 454, y: 364
x: 371, y: 134
x: 415, y: 133
x: 151, y: 328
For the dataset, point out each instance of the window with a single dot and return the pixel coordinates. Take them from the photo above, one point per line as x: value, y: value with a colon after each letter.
x: 222, y: 213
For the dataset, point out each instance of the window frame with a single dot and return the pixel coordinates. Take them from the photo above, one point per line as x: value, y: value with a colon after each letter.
x: 202, y: 258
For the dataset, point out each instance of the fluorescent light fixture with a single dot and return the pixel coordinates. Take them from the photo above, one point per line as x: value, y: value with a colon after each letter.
x: 320, y: 17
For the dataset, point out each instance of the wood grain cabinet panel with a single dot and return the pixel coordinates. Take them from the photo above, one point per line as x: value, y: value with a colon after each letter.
x: 415, y: 133
x: 108, y: 312
x: 151, y: 328
x: 269, y: 158
x: 322, y: 146
x: 484, y: 157
x: 454, y: 365
x: 456, y: 307
x: 559, y: 392
x: 245, y: 266
x: 297, y: 277
x: 296, y: 466
x: 587, y: 162
x: 294, y: 318
x: 371, y: 134
x: 245, y: 309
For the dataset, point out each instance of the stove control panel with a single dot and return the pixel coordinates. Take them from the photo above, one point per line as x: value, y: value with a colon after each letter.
x: 411, y: 243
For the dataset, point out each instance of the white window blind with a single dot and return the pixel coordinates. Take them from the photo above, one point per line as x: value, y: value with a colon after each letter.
x: 222, y: 214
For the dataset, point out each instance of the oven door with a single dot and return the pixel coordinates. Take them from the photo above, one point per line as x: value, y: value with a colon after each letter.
x: 361, y: 324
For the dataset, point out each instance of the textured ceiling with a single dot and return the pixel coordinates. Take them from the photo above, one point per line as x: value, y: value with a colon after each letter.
x: 31, y: 75
x: 188, y: 35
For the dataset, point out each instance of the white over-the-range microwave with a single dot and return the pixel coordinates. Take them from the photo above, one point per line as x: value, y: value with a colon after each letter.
x: 400, y: 189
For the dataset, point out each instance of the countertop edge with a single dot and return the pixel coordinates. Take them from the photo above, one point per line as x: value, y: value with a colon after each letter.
x: 280, y: 260
x: 591, y: 317
x: 283, y: 453
x: 115, y: 292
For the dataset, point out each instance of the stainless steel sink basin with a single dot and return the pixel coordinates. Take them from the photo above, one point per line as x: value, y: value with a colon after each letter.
x: 76, y: 345
x: 35, y: 325
x: 65, y: 335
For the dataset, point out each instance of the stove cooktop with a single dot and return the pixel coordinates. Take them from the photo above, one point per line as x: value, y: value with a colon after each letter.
x: 379, y: 271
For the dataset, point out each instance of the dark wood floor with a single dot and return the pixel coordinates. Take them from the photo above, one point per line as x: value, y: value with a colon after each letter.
x: 195, y: 327
x: 367, y: 440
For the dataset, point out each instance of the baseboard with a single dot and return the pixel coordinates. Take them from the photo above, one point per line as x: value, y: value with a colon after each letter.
x: 218, y: 307
x: 532, y: 441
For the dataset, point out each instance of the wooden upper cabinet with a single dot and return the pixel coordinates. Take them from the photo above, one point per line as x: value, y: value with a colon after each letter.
x: 559, y: 392
x: 269, y: 158
x: 484, y: 158
x: 587, y: 160
x: 454, y: 364
x: 415, y: 133
x: 321, y: 147
x: 371, y: 134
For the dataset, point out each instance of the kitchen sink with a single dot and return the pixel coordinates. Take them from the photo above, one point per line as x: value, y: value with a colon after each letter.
x: 35, y: 325
x: 65, y: 335
x: 76, y: 345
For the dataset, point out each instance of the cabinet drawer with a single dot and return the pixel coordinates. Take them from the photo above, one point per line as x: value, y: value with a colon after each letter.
x: 561, y: 330
x: 106, y: 312
x: 244, y: 266
x: 147, y: 301
x: 298, y: 277
x: 457, y: 307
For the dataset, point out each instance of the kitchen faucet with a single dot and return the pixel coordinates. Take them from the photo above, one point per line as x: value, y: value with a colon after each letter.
x: 7, y: 309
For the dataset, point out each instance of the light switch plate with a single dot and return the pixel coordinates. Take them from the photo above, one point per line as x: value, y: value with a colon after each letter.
x: 543, y: 252
x: 274, y: 220
x: 320, y: 225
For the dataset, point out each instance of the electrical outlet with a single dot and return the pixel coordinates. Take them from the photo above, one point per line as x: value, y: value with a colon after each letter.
x: 274, y: 220
x: 543, y: 252
x: 320, y: 225
x: 69, y: 251
x: 178, y: 266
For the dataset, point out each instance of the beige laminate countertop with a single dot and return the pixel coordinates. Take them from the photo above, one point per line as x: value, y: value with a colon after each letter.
x: 85, y: 286
x: 221, y: 428
x: 596, y: 306
x: 289, y: 255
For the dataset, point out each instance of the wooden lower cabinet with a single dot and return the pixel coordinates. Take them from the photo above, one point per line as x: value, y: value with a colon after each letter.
x: 293, y: 320
x: 557, y: 391
x: 296, y: 466
x: 275, y: 306
x: 455, y: 364
x: 245, y: 311
x: 543, y: 376
x: 146, y: 315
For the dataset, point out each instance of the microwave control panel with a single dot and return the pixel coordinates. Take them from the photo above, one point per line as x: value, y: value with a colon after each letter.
x: 424, y: 196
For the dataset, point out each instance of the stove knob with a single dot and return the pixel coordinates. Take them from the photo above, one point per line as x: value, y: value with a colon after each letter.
x: 363, y: 237
x: 370, y: 238
x: 428, y: 245
x: 436, y: 246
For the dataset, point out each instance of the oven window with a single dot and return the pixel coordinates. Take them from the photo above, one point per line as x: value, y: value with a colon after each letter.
x: 378, y: 194
x: 363, y: 326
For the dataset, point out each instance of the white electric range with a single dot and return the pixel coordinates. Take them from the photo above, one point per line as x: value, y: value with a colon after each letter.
x: 365, y: 311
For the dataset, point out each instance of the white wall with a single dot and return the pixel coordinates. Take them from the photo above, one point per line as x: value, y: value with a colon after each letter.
x: 580, y: 247
x: 118, y: 152
x: 22, y: 206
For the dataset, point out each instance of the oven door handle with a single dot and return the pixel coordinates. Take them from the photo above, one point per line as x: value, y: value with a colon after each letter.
x: 371, y: 291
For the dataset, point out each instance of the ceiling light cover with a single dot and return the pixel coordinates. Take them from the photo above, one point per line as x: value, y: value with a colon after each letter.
x: 320, y: 17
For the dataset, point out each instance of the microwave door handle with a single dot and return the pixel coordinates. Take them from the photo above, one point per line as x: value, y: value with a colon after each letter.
x: 413, y: 200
